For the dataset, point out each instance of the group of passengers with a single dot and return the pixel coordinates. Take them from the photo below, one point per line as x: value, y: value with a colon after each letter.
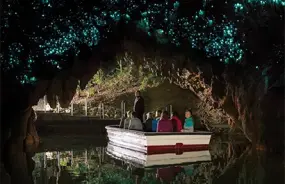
x: 161, y: 122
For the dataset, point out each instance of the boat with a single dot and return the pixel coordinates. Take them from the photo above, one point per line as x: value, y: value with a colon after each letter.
x: 158, y: 142
x: 142, y: 160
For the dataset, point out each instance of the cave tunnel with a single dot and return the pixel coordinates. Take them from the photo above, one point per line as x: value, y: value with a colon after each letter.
x: 229, y: 66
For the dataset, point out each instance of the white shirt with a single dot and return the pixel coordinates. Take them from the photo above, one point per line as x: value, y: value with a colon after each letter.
x: 127, y: 123
x: 135, y: 124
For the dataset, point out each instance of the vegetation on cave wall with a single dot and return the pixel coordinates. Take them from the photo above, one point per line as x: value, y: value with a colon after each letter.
x: 113, y: 87
x: 130, y: 75
x: 124, y: 75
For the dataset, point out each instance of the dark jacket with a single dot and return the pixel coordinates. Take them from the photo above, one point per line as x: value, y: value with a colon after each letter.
x: 139, y: 105
x: 148, y: 125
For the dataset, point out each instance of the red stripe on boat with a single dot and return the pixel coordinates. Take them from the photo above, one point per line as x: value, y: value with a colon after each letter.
x: 179, y: 148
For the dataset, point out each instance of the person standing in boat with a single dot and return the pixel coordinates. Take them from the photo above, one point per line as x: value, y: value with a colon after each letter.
x: 155, y: 120
x: 135, y: 123
x: 189, y: 121
x: 139, y: 105
x: 177, y: 124
x: 164, y: 124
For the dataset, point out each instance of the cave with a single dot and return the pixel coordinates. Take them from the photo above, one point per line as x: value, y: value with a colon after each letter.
x: 239, y: 83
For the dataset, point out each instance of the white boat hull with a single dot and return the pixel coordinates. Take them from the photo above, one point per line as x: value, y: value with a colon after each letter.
x: 140, y: 159
x: 157, y: 142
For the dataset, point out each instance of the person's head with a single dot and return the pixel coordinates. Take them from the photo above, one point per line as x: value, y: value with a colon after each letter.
x: 174, y: 113
x: 137, y: 93
x: 188, y: 113
x: 134, y: 115
x: 129, y: 113
x: 158, y: 113
x: 149, y: 115
x: 165, y: 115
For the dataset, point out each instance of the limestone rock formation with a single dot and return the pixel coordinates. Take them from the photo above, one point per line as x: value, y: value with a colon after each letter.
x: 63, y: 86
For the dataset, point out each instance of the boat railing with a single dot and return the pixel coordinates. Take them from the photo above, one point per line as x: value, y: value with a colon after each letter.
x: 116, y: 128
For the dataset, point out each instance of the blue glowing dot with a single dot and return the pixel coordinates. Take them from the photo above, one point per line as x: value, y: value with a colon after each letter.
x: 55, y: 35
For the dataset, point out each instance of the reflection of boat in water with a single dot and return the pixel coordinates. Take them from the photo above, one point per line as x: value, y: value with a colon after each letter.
x: 139, y: 159
x: 158, y: 142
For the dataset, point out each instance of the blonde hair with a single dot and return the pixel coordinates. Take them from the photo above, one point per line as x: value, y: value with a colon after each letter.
x: 129, y: 113
x: 149, y: 115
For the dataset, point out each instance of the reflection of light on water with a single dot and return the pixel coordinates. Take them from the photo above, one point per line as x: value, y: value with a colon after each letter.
x: 50, y: 165
x: 95, y: 166
x: 89, y: 165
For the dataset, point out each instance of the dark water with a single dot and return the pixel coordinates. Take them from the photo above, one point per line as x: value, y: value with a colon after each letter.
x: 68, y: 160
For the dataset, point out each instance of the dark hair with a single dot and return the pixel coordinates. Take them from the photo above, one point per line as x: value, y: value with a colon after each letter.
x: 138, y: 91
x: 165, y: 113
x: 175, y: 113
x: 159, y: 111
x: 134, y: 114
x: 189, y: 110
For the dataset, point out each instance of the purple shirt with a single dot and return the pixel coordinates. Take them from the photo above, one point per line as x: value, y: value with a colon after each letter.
x: 164, y: 125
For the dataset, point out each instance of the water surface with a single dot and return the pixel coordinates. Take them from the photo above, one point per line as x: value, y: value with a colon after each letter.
x: 67, y: 160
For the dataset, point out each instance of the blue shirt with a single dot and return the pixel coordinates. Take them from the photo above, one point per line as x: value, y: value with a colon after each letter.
x: 154, y: 124
x: 189, y: 122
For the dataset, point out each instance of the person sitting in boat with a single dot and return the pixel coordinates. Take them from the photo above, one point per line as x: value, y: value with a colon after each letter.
x: 189, y: 122
x: 155, y: 120
x: 127, y: 120
x: 177, y: 124
x: 148, y: 122
x: 144, y: 117
x: 122, y: 121
x: 135, y: 122
x: 164, y: 124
